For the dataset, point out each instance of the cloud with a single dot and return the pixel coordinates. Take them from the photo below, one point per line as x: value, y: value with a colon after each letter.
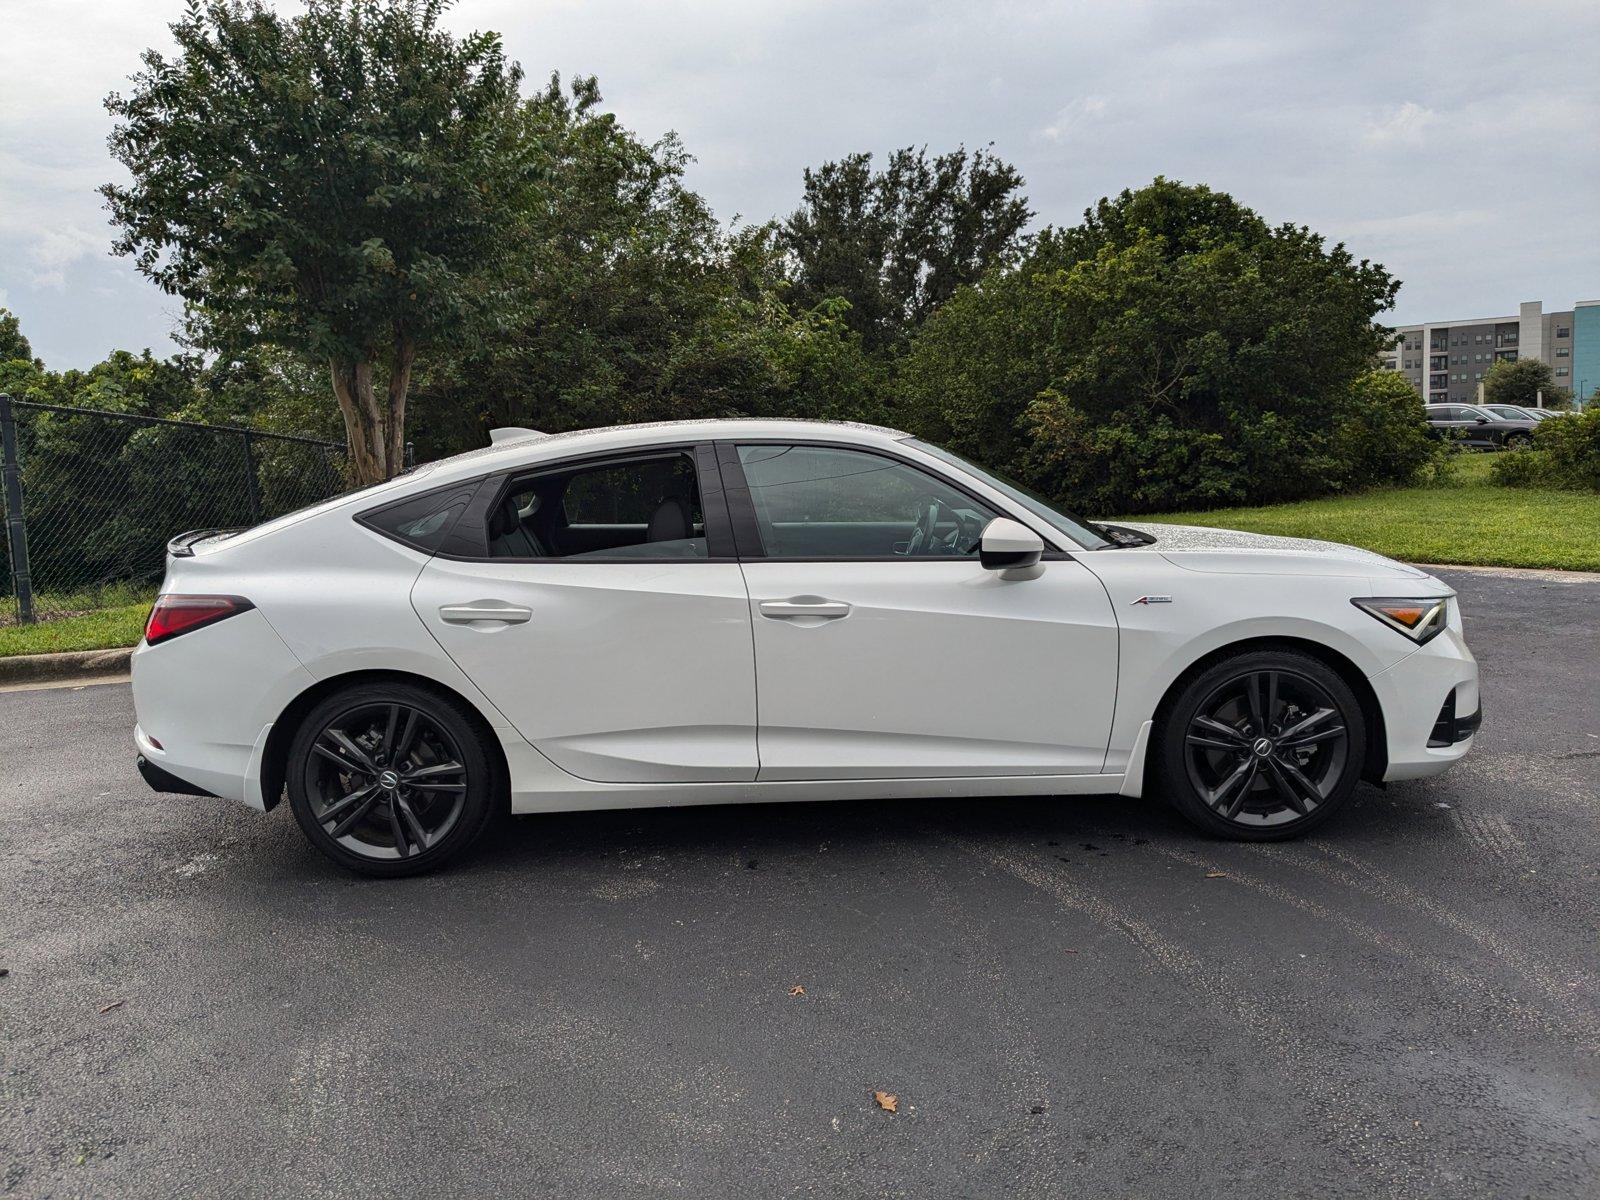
x: 1081, y: 113
x: 1462, y: 160
x: 1405, y: 125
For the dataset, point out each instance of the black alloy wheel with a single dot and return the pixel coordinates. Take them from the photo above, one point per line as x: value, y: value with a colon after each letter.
x: 1262, y: 746
x: 390, y: 780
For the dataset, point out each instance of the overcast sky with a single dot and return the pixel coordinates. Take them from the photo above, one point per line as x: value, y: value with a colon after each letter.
x: 1457, y: 143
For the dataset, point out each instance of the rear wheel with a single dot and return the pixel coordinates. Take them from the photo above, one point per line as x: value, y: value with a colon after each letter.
x: 1264, y: 745
x: 390, y: 779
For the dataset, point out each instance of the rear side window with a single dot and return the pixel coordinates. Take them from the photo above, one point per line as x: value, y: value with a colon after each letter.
x: 421, y: 522
x: 639, y: 508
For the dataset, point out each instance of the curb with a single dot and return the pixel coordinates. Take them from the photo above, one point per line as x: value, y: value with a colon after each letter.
x: 51, y: 668
x: 1553, y: 574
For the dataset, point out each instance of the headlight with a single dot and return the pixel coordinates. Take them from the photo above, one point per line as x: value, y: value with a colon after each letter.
x: 1418, y: 618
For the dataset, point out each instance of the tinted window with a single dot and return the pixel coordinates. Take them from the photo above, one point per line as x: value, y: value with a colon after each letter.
x: 639, y: 508
x: 821, y: 502
x: 422, y: 522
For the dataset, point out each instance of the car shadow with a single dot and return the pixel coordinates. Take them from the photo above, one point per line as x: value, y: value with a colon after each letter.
x: 751, y: 832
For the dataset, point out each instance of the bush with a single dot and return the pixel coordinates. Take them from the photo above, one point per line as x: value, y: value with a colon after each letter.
x: 1565, y: 454
x: 1380, y: 430
x: 1158, y: 356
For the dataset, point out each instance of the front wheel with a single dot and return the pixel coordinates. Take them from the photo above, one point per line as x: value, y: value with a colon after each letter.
x: 390, y: 778
x: 1264, y: 745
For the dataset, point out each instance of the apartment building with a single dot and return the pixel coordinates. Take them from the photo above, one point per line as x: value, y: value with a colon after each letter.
x: 1446, y: 360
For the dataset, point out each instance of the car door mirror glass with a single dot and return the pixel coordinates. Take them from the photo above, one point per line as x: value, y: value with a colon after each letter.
x: 1011, y: 548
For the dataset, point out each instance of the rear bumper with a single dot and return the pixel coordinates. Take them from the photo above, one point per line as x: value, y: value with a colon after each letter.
x: 164, y: 781
x: 206, y: 701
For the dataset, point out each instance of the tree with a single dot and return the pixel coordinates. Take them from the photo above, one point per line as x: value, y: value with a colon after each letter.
x: 13, y: 346
x: 1171, y: 350
x: 342, y: 184
x: 634, y: 305
x: 1522, y: 383
x: 897, y: 243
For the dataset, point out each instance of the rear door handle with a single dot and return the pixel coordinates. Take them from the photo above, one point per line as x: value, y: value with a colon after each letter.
x: 786, y: 609
x: 485, y: 610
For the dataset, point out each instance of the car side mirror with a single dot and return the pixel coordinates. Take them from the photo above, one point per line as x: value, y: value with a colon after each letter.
x: 1012, y: 549
x: 1481, y: 420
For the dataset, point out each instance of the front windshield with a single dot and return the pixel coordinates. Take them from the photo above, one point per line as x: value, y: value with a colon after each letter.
x: 1074, y: 526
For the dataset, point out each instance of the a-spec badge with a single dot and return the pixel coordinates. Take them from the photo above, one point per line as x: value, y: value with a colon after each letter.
x: 1154, y: 600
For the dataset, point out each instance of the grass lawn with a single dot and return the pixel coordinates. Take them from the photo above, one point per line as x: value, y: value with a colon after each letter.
x: 99, y: 630
x: 1469, y: 521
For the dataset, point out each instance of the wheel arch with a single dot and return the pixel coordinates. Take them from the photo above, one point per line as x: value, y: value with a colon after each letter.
x: 276, y: 751
x: 1377, y: 756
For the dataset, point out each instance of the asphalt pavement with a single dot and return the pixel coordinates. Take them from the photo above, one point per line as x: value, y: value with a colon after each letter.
x: 1065, y: 997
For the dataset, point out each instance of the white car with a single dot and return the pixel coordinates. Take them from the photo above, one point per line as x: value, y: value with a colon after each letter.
x: 729, y: 611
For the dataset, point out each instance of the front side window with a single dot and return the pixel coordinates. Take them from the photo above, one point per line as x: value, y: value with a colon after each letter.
x: 824, y: 502
x: 638, y: 508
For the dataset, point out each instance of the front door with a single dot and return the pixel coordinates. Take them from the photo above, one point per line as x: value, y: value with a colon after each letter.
x: 883, y: 648
x: 605, y: 623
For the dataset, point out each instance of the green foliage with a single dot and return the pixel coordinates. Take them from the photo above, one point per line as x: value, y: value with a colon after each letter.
x: 897, y: 243
x: 1522, y: 382
x: 1171, y: 350
x: 102, y: 629
x: 13, y: 346
x: 634, y: 305
x: 1565, y: 454
x: 341, y: 184
x: 1381, y: 435
x: 103, y: 496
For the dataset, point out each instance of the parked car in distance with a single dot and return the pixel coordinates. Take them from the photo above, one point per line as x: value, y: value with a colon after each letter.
x: 727, y: 611
x: 1512, y: 412
x: 1478, y: 426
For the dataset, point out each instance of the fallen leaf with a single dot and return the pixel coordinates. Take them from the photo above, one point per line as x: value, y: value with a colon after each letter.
x: 797, y: 990
x: 113, y: 1004
x: 1216, y: 874
x: 887, y: 1102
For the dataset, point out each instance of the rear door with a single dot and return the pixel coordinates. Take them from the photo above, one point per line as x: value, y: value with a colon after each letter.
x: 885, y: 650
x: 606, y: 616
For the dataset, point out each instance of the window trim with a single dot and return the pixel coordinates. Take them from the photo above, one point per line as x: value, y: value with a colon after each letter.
x: 747, y: 528
x: 493, y: 488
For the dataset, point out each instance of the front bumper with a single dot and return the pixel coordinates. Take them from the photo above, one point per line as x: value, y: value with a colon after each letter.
x: 1431, y: 707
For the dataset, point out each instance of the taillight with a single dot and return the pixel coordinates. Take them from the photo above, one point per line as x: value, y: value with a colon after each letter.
x: 173, y: 615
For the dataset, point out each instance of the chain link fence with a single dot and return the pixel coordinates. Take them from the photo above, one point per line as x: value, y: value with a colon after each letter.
x: 90, y: 499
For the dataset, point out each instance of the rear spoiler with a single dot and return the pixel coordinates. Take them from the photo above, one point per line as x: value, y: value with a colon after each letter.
x: 183, y: 545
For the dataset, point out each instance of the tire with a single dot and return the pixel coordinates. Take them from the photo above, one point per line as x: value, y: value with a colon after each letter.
x: 1519, y: 441
x: 1232, y: 779
x: 392, y: 779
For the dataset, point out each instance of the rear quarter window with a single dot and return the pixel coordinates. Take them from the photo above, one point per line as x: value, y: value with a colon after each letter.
x: 421, y: 522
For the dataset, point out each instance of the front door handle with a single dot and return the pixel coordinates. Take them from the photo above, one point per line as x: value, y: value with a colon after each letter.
x: 485, y: 610
x: 806, y: 607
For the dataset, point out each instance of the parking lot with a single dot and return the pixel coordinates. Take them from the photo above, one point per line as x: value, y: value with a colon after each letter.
x: 1065, y: 997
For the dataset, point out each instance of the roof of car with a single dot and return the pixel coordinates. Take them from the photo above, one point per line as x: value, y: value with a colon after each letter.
x: 507, y: 452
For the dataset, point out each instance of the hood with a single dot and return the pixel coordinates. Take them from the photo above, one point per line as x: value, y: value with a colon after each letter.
x: 1232, y: 551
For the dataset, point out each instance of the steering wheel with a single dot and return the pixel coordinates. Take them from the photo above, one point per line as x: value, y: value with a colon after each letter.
x: 922, y: 534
